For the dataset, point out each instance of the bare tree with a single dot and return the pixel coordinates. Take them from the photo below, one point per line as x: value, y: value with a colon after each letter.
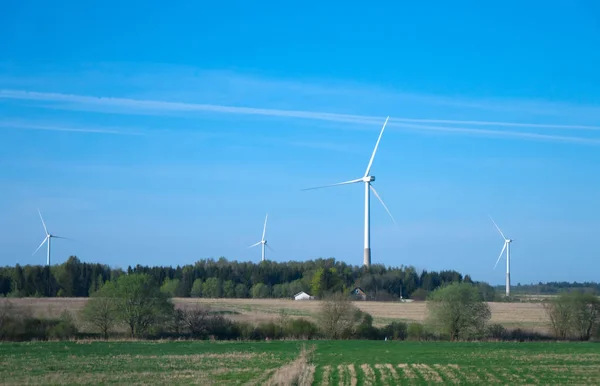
x: 586, y: 315
x: 197, y: 321
x: 559, y: 312
x: 338, y: 316
x: 574, y: 313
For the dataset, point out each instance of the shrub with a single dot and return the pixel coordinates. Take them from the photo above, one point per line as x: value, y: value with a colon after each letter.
x: 63, y: 330
x: 219, y: 327
x: 496, y: 331
x: 338, y: 317
x: 365, y: 329
x: 269, y: 330
x: 416, y: 331
x: 419, y: 294
x: 396, y: 331
x: 525, y: 335
x: 197, y: 322
x: 301, y: 329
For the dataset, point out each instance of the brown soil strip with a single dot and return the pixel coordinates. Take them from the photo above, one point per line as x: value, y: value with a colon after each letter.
x: 392, y: 371
x: 352, y: 371
x: 326, y: 374
x: 369, y: 374
x: 407, y: 371
x: 446, y: 372
x: 383, y: 371
x: 428, y: 373
x: 341, y: 374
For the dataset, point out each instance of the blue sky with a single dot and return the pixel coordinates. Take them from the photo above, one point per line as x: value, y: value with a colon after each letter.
x: 159, y: 134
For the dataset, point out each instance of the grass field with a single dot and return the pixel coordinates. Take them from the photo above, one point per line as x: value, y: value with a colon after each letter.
x: 529, y: 316
x: 331, y: 363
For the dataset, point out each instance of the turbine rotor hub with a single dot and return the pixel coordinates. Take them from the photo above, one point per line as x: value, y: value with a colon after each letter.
x: 368, y: 178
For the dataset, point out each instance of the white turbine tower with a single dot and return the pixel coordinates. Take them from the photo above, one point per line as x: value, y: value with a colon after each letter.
x: 263, y: 241
x: 367, y: 179
x: 507, y: 248
x: 47, y: 239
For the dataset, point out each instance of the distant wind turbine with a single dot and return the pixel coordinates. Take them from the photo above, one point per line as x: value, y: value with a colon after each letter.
x: 48, y: 239
x: 506, y: 246
x: 263, y: 241
x: 367, y: 179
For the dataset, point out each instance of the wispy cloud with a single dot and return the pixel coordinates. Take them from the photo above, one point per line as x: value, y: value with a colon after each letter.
x: 508, y: 134
x: 35, y: 126
x: 141, y: 106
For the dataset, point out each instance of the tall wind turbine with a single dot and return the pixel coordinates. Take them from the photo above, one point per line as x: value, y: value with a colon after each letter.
x: 263, y: 241
x: 47, y: 239
x: 507, y: 248
x: 367, y: 179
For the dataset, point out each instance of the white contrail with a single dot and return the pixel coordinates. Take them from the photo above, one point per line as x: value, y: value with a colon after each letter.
x: 361, y: 119
x: 498, y: 133
x: 33, y: 126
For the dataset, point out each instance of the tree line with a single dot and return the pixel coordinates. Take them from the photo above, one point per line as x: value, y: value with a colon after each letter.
x: 232, y: 279
x: 553, y: 288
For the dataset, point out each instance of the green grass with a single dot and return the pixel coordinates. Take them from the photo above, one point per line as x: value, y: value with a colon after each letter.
x: 375, y: 362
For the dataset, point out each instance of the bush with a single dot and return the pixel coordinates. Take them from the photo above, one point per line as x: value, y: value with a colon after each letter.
x: 365, y: 329
x: 63, y: 330
x: 396, y: 331
x: 269, y: 330
x: 596, y: 334
x: 416, y: 331
x: 525, y: 335
x: 419, y: 294
x: 301, y: 329
x: 197, y: 322
x: 221, y: 328
x: 496, y: 331
x: 338, y: 317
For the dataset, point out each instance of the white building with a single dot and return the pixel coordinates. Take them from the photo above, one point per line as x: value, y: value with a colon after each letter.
x: 303, y: 296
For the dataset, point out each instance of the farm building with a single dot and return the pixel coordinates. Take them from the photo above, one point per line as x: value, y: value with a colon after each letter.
x: 359, y: 293
x: 303, y: 296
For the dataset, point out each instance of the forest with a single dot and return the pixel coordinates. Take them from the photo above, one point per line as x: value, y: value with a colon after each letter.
x: 233, y: 279
x: 211, y: 278
x: 552, y: 288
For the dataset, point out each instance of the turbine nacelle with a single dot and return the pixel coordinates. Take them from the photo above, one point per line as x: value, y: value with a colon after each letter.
x: 368, y: 179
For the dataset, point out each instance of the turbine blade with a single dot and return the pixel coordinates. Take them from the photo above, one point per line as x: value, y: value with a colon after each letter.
x: 376, y: 146
x: 497, y: 227
x: 339, y: 183
x: 43, y: 223
x: 45, y: 239
x: 265, y: 228
x: 383, y: 203
x: 254, y: 245
x: 59, y: 237
x: 501, y: 252
x: 268, y: 246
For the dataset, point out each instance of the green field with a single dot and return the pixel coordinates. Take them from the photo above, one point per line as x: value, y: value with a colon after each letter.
x: 332, y: 362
